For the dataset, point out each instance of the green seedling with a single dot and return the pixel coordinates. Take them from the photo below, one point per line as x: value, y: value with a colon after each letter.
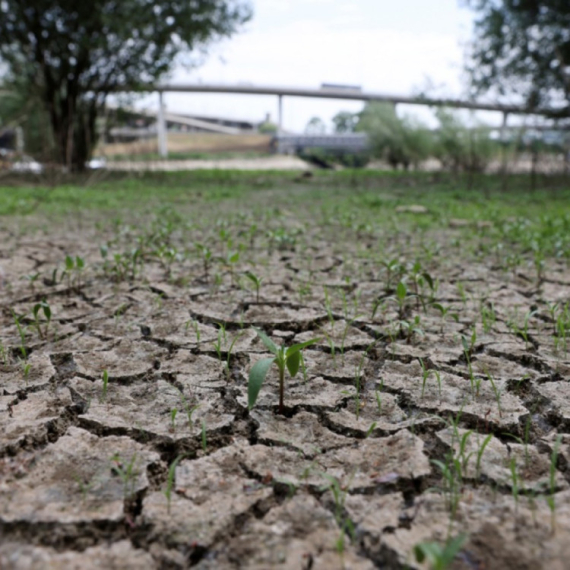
x: 204, y: 440
x: 426, y: 372
x: 196, y: 326
x: 73, y: 269
x: 44, y: 307
x: 488, y: 317
x: 173, y: 414
x: 170, y: 480
x: 256, y: 283
x: 284, y: 358
x: 370, y: 430
x: 444, y: 311
x: 339, y: 493
x: 31, y: 278
x: 437, y: 556
x: 126, y: 473
x: 496, y: 392
x: 378, y: 396
x: 401, y: 293
x: 26, y: 367
x: 206, y: 255
x: 188, y: 409
x: 105, y: 379
x: 480, y: 452
x: 21, y: 334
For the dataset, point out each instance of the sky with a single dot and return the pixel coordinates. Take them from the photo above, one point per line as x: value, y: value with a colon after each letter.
x: 396, y: 47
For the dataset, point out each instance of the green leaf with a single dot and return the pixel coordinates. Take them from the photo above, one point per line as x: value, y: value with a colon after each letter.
x: 252, y: 278
x: 293, y: 362
x: 401, y: 291
x: 270, y: 345
x: 452, y: 548
x: 257, y: 375
x: 69, y: 262
x: 430, y: 551
x: 297, y: 347
x: 439, y: 307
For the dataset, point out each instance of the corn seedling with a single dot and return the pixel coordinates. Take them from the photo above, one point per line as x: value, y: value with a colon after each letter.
x: 370, y: 430
x: 284, y: 358
x: 105, y: 379
x: 256, y: 283
x: 378, y: 396
x: 206, y: 255
x: 73, y: 269
x: 204, y: 440
x: 451, y: 484
x: 31, y: 278
x: 173, y: 414
x: 44, y: 307
x: 170, y: 480
x: 480, y: 452
x: 437, y: 556
x: 188, y: 409
x: 444, y: 311
x: 196, y: 326
x: 339, y: 493
x: 496, y: 392
x: 126, y: 473
x: 26, y: 367
x: 425, y: 375
x: 488, y: 317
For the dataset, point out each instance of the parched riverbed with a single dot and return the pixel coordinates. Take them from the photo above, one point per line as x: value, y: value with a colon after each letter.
x: 435, y: 404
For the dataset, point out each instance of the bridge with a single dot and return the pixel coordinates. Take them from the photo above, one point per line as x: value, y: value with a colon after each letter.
x: 354, y: 93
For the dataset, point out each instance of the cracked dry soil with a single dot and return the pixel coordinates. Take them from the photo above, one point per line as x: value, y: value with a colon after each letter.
x: 346, y: 478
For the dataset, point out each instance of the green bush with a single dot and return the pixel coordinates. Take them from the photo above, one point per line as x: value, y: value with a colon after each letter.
x: 462, y: 148
x: 399, y: 141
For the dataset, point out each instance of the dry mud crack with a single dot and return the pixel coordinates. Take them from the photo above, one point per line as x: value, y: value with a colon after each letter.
x: 126, y: 439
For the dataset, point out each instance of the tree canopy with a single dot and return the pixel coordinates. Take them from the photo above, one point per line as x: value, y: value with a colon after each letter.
x: 522, y: 48
x: 72, y: 54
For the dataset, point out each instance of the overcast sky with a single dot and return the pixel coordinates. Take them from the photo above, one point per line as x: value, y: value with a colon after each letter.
x: 396, y: 47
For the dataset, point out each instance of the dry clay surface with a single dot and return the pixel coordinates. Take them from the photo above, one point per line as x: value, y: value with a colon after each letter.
x: 126, y: 439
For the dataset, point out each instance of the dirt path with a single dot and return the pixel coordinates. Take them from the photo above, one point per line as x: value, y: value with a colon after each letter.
x: 277, y: 162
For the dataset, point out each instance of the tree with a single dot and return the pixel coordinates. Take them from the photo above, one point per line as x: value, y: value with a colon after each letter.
x: 74, y: 54
x: 522, y: 48
x: 315, y: 126
x: 397, y: 140
x: 345, y: 122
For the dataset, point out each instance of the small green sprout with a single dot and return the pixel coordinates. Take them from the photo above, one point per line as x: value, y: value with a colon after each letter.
x: 439, y: 557
x: 204, y: 440
x: 127, y: 473
x: 44, y: 307
x: 284, y: 357
x: 256, y: 283
x: 480, y: 451
x: 170, y: 480
x: 26, y: 367
x: 173, y: 414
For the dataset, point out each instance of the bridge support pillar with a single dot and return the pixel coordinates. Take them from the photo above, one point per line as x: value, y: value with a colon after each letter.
x: 280, y: 114
x: 503, y: 135
x: 161, y: 128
